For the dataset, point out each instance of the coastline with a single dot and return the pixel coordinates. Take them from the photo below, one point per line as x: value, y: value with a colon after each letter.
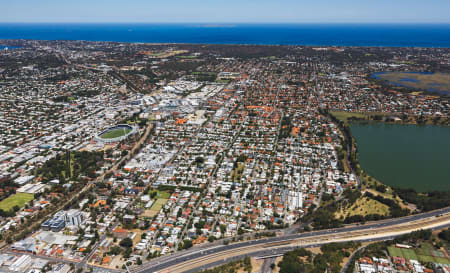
x: 306, y: 34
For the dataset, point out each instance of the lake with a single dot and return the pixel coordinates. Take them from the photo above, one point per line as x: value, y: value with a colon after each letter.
x: 406, y: 156
x: 429, y: 81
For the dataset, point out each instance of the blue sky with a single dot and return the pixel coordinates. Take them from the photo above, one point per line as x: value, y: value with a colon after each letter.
x: 219, y: 11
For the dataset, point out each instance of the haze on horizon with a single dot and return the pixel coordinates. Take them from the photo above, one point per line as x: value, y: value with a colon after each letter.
x: 232, y: 11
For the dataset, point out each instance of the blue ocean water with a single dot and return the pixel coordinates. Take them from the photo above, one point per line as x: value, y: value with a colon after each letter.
x: 4, y: 47
x: 396, y: 35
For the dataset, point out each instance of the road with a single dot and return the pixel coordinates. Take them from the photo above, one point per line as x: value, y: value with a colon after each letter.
x: 88, y: 187
x: 350, y: 259
x: 195, y: 259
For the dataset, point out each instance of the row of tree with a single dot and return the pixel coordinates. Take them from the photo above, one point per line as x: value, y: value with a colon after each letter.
x: 329, y: 260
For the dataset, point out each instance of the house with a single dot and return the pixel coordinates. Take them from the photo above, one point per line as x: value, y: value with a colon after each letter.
x: 120, y: 233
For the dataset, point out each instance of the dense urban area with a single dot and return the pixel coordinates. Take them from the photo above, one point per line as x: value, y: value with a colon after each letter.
x: 114, y: 156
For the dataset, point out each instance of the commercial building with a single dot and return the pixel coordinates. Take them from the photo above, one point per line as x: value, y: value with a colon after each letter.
x: 74, y: 217
x: 21, y: 264
x: 57, y: 223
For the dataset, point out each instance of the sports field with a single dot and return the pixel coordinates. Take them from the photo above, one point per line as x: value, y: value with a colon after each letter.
x: 161, y: 200
x: 159, y: 203
x: 18, y: 199
x: 426, y: 253
x: 161, y: 194
x: 115, y: 133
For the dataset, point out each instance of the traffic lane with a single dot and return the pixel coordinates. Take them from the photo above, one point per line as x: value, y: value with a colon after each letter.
x: 395, y: 221
x: 384, y: 223
x: 268, y: 240
x: 275, y: 252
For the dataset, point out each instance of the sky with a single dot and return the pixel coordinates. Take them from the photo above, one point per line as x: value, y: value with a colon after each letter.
x: 232, y: 11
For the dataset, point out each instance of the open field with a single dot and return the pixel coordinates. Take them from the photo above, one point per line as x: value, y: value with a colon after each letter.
x: 115, y: 133
x: 375, y: 116
x: 18, y: 199
x: 425, y: 253
x: 439, y: 82
x: 345, y: 116
x: 236, y: 173
x: 409, y: 254
x: 186, y: 57
x: 160, y: 194
x: 149, y: 213
x: 364, y: 206
x: 138, y: 236
x: 159, y: 203
x: 395, y: 251
x: 161, y: 199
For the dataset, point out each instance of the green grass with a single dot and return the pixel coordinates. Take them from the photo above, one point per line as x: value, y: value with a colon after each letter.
x: 236, y: 173
x: 187, y: 57
x: 425, y: 249
x: 422, y: 254
x: 204, y: 73
x: 18, y: 199
x: 344, y: 116
x: 159, y: 203
x: 115, y: 133
x: 442, y: 260
x: 426, y: 259
x: 394, y: 251
x: 161, y: 194
x: 409, y: 254
x: 364, y: 206
x: 223, y: 81
x: 158, y: 54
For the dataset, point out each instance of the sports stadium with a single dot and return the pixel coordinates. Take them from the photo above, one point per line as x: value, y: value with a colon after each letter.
x: 116, y: 133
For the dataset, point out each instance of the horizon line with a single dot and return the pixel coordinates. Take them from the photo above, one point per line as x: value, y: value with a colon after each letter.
x: 224, y: 23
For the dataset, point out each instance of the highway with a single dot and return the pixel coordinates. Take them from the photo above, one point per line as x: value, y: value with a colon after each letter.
x: 195, y: 259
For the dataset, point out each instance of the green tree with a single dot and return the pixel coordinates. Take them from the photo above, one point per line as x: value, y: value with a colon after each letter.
x: 126, y: 242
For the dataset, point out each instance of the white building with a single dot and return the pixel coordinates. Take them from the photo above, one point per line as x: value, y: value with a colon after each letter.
x: 61, y: 268
x: 74, y: 217
x: 24, y: 180
x: 21, y: 264
x: 295, y: 200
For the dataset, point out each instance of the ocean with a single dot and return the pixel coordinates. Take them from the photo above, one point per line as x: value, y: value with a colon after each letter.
x: 393, y: 35
x: 3, y: 47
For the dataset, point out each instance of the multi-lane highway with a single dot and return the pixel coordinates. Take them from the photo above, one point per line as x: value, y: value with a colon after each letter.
x: 196, y: 259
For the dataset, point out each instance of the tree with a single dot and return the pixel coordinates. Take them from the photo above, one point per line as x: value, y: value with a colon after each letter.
x: 115, y: 250
x: 445, y: 235
x: 187, y: 244
x: 126, y: 242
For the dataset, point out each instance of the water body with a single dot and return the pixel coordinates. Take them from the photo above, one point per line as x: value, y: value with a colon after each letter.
x: 428, y: 81
x: 396, y: 35
x: 4, y: 47
x: 406, y: 156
